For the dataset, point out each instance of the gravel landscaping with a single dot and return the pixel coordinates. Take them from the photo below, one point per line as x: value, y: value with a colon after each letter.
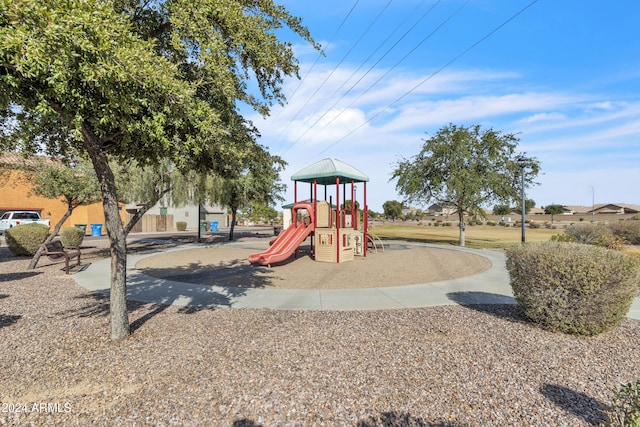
x: 443, y: 366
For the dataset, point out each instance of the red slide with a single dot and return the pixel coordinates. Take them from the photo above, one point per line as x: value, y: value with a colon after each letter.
x: 287, y: 242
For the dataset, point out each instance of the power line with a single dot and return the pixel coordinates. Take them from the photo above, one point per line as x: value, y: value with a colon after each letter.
x: 434, y: 73
x: 322, y: 53
x: 368, y: 71
x: 442, y: 24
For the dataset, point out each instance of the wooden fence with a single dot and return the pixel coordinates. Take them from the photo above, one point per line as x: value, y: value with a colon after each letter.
x: 151, y: 223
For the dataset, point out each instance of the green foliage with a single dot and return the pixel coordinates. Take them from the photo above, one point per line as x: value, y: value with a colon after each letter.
x: 626, y: 406
x: 528, y: 205
x: 553, y: 210
x: 75, y: 184
x: 262, y: 212
x: 392, y: 209
x: 464, y: 167
x: 181, y: 225
x: 573, y: 288
x: 71, y: 236
x: 24, y: 240
x: 141, y: 81
x: 501, y: 210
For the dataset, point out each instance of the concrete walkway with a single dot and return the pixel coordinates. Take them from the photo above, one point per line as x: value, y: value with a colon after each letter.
x: 488, y: 287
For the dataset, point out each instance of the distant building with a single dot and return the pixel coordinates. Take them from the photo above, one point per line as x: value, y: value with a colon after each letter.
x: 616, y: 208
x: 440, y: 209
x: 602, y: 208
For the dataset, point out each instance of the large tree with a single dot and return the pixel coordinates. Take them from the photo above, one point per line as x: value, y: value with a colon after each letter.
x: 139, y: 80
x: 464, y: 167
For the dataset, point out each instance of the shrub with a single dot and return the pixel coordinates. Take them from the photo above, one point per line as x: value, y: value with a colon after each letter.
x: 562, y: 238
x: 24, y: 240
x: 573, y: 288
x: 626, y: 406
x: 533, y: 224
x: 588, y: 233
x: 71, y: 236
x: 491, y: 223
x: 181, y: 225
x: 627, y: 230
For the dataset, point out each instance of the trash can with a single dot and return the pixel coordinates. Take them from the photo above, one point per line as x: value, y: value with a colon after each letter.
x: 277, y: 229
x: 214, y: 226
x: 82, y: 227
x: 203, y: 225
x: 96, y: 229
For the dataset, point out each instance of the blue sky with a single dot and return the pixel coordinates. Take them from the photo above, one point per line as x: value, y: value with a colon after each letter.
x: 562, y: 75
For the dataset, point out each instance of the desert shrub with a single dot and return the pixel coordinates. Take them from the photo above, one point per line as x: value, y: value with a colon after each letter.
x: 611, y: 242
x: 446, y: 224
x: 627, y: 230
x: 71, y: 236
x: 626, y: 406
x: 533, y: 224
x: 491, y: 223
x: 24, y: 240
x: 181, y: 225
x: 562, y: 238
x: 588, y: 233
x: 573, y: 288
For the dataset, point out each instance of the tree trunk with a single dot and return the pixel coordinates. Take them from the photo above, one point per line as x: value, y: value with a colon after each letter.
x: 51, y: 236
x: 117, y: 237
x: 233, y: 222
x: 461, y: 225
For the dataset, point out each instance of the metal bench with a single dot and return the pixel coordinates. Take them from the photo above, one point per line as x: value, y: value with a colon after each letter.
x: 57, y: 253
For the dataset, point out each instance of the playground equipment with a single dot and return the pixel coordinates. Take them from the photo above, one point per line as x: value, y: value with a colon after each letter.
x: 336, y: 233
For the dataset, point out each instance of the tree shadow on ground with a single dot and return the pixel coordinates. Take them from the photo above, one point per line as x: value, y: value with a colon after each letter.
x: 403, y: 419
x: 8, y: 319
x: 148, y: 297
x: 576, y: 403
x: 8, y: 277
x: 385, y: 419
x: 228, y: 273
x: 501, y: 306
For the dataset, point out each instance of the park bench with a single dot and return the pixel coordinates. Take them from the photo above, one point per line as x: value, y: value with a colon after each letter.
x: 57, y: 253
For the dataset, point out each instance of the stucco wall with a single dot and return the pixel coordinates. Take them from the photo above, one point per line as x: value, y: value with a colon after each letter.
x: 14, y: 195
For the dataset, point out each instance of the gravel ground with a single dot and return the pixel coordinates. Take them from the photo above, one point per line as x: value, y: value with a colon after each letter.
x: 444, y: 366
x: 399, y: 264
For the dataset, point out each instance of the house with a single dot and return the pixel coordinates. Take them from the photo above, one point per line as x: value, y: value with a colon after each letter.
x: 602, y: 209
x: 439, y: 209
x: 576, y: 210
x: 16, y: 194
x: 163, y: 217
x: 616, y: 208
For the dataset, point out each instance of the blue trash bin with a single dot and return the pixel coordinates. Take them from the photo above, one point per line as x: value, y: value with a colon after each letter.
x: 214, y: 226
x: 96, y: 229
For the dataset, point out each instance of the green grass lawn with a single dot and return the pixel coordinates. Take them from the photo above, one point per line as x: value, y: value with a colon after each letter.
x: 476, y: 236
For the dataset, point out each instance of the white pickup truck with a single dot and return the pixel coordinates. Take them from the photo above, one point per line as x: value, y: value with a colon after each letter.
x: 12, y: 218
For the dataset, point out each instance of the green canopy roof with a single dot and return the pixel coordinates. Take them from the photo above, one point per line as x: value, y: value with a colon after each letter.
x: 325, y: 172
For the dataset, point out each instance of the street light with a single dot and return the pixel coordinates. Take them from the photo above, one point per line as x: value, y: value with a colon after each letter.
x: 523, y: 162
